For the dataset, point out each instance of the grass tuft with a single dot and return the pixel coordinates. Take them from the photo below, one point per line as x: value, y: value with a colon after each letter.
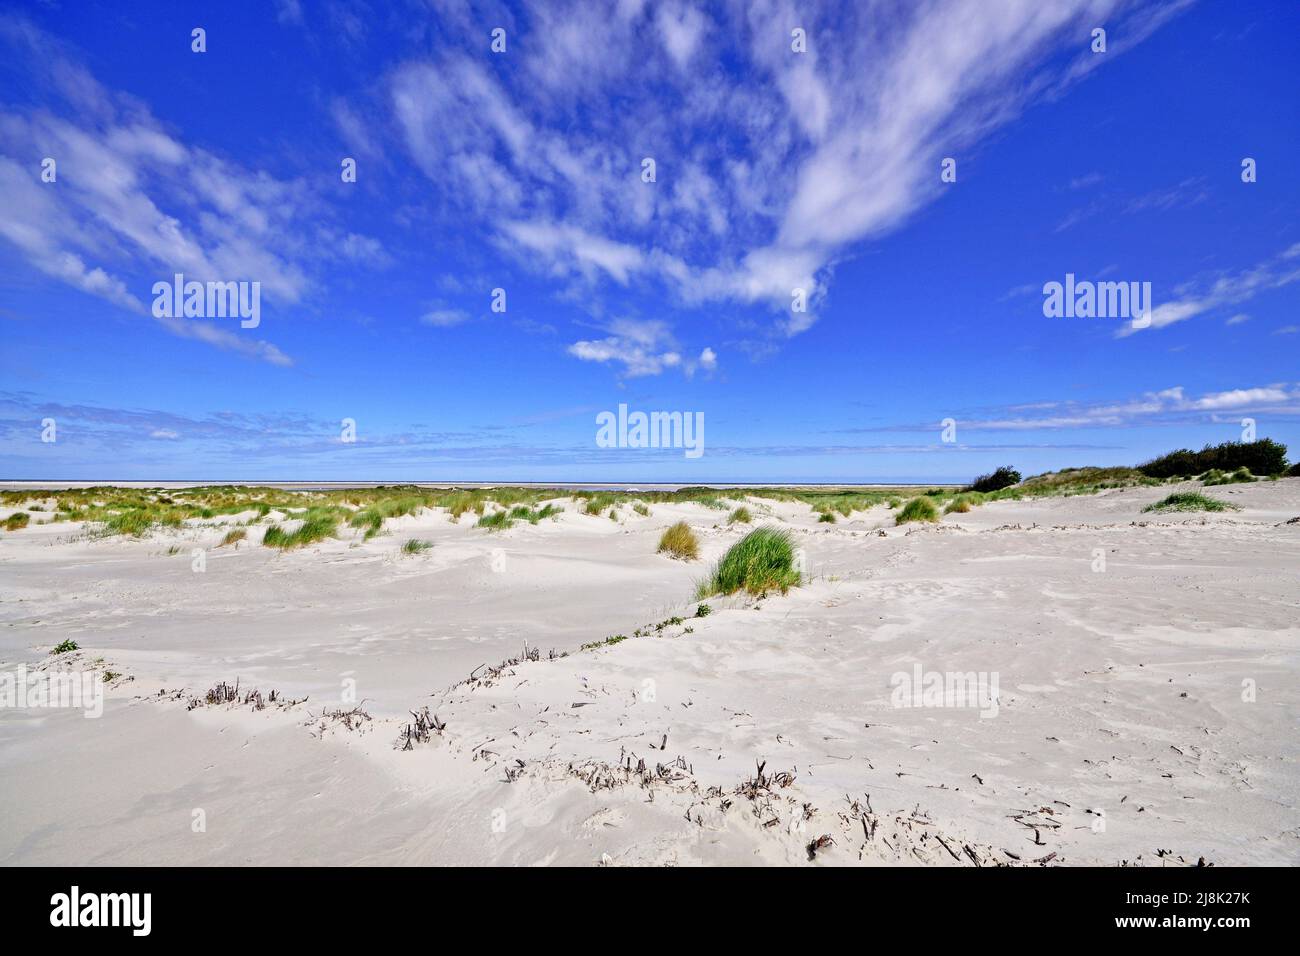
x: 740, y: 516
x: 964, y: 503
x: 918, y: 509
x: 680, y: 542
x: 233, y: 535
x: 497, y: 521
x: 1216, y: 477
x: 317, y: 524
x: 416, y: 546
x: 1190, y: 501
x: 761, y: 561
x: 17, y: 521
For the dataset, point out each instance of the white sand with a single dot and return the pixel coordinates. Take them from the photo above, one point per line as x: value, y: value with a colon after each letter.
x: 1121, y: 732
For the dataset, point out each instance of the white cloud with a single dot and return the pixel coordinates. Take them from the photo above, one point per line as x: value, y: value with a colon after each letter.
x: 444, y: 318
x: 680, y: 29
x: 642, y: 347
x: 1227, y: 290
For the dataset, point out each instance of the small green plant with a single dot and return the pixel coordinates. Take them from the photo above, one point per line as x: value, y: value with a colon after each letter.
x: 232, y: 536
x: 827, y: 517
x: 416, y: 546
x: 110, y: 676
x: 642, y: 509
x: 65, y: 647
x: 918, y: 509
x: 1190, y: 501
x: 613, y: 639
x: 703, y: 611
x: 17, y: 521
x: 680, y: 542
x: 761, y: 561
x: 740, y: 516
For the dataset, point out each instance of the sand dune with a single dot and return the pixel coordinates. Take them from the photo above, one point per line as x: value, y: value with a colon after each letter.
x: 1144, y: 713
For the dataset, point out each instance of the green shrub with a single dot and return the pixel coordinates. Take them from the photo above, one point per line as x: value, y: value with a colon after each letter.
x: 65, y: 646
x: 1263, y: 457
x: 918, y: 509
x: 1004, y: 477
x: 826, y: 517
x: 740, y: 516
x: 680, y: 542
x: 16, y: 521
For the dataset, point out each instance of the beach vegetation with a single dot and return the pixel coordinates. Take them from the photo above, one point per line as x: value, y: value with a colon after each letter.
x: 761, y: 561
x: 679, y: 541
x: 918, y: 509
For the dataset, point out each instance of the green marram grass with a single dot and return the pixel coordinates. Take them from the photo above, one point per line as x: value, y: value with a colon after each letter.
x: 963, y: 503
x: 740, y: 516
x: 760, y: 562
x: 918, y: 509
x: 317, y: 524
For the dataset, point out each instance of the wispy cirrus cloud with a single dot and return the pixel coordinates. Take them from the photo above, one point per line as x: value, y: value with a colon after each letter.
x: 764, y: 177
x: 131, y: 203
x: 1227, y: 289
x: 1167, y: 406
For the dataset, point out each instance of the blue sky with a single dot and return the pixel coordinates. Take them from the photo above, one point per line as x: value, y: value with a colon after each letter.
x: 775, y: 170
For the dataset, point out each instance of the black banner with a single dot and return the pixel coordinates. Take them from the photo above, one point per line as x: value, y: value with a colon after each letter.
x: 335, y: 905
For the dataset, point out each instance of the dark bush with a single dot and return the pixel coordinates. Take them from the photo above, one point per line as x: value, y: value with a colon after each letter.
x: 1004, y: 477
x: 1263, y: 457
